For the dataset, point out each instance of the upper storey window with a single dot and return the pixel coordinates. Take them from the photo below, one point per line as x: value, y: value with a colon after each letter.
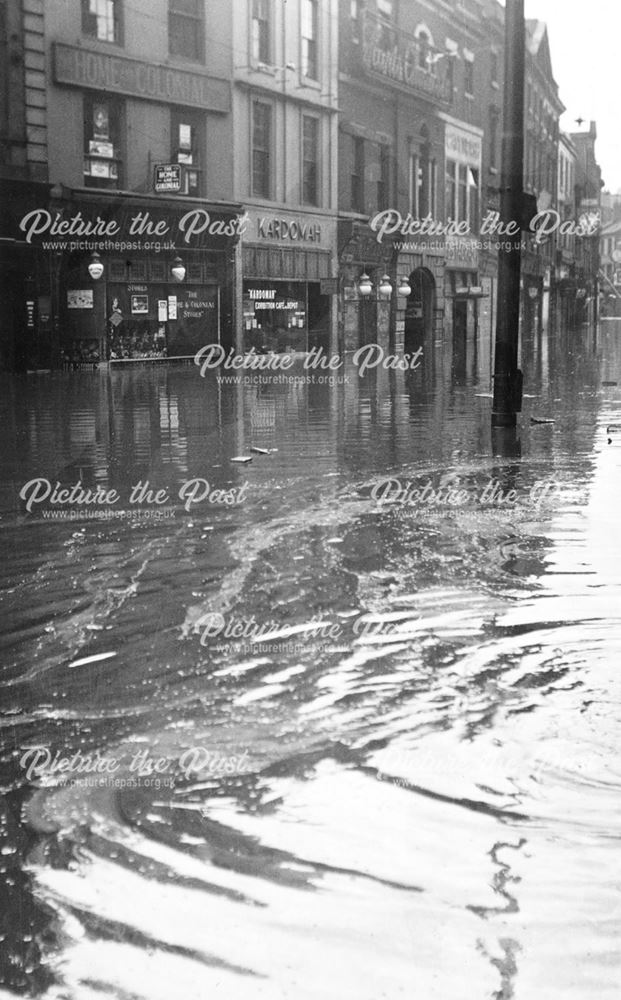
x: 101, y: 19
x: 186, y: 34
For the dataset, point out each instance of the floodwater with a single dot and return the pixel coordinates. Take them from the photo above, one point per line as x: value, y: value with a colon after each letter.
x: 320, y: 742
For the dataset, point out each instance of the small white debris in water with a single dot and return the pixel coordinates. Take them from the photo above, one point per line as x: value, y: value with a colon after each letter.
x: 484, y: 395
x: 242, y: 458
x: 260, y: 451
x: 333, y: 541
x: 92, y: 659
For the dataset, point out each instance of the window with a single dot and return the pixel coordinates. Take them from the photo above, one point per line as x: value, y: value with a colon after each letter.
x: 469, y: 76
x: 423, y: 178
x: 450, y: 76
x: 310, y: 160
x: 413, y: 184
x: 424, y: 51
x: 383, y: 184
x: 387, y: 35
x: 357, y: 175
x: 494, y: 68
x: 472, y: 211
x: 462, y: 193
x: 354, y: 13
x: 101, y: 19
x: 261, y: 40
x: 494, y: 115
x: 102, y: 141
x: 187, y: 133
x: 309, y: 39
x: 186, y: 30
x: 261, y: 149
x: 451, y: 189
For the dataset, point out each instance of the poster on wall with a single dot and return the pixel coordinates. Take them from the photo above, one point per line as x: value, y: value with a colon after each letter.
x: 79, y: 298
x: 139, y: 305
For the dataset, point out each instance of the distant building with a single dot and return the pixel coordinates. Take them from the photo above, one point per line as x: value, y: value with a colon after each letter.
x: 566, y: 279
x: 542, y: 111
x: 589, y: 186
x: 284, y: 152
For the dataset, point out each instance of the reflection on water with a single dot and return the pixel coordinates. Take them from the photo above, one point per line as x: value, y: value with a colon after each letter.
x: 378, y: 733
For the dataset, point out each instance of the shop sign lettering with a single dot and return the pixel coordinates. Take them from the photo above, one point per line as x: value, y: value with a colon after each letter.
x: 288, y: 229
x: 80, y: 67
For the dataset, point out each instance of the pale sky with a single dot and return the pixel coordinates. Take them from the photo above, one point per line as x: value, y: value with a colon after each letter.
x: 585, y: 45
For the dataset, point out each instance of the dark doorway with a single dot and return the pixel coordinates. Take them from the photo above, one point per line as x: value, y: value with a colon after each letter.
x: 420, y: 309
x: 460, y: 337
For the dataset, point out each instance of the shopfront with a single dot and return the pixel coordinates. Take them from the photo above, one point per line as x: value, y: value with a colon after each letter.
x: 134, y: 277
x: 287, y: 263
x: 150, y: 313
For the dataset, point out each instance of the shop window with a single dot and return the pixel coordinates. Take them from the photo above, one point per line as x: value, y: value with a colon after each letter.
x: 357, y: 174
x: 194, y: 271
x: 261, y: 31
x: 186, y: 30
x: 136, y: 270
x: 309, y: 39
x: 117, y: 269
x: 261, y: 149
x: 158, y: 270
x: 102, y: 142
x: 310, y: 160
x: 101, y: 19
x: 187, y: 142
x: 275, y: 315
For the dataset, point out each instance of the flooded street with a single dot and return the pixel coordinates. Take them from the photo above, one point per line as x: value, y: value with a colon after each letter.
x: 319, y: 734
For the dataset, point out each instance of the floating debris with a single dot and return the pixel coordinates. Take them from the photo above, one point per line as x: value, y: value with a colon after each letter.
x: 484, y: 395
x: 610, y: 383
x: 92, y: 659
x: 242, y: 458
x: 542, y: 420
x: 260, y: 451
x: 613, y: 427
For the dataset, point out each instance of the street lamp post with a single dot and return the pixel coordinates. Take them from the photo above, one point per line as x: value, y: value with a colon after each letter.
x: 507, y: 377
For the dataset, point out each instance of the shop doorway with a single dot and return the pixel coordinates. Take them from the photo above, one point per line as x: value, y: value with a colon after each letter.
x: 460, y: 337
x: 420, y: 309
